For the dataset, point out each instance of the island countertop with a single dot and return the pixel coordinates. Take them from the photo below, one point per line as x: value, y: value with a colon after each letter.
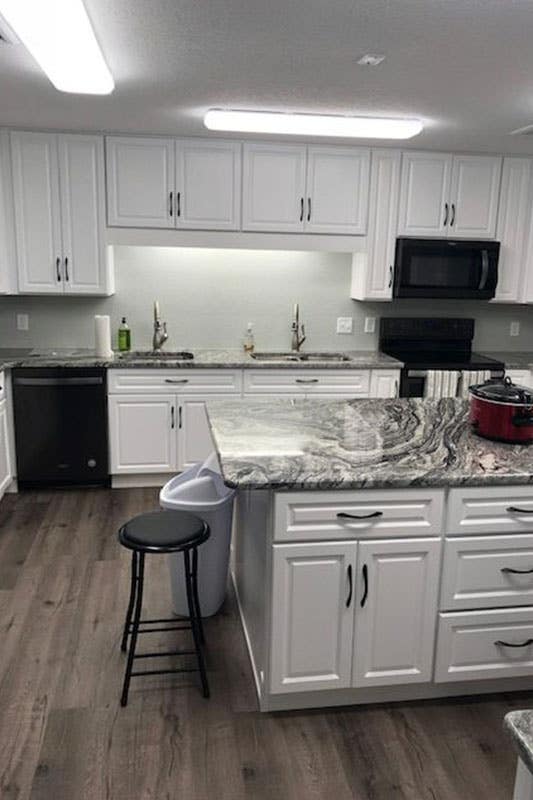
x: 355, y: 444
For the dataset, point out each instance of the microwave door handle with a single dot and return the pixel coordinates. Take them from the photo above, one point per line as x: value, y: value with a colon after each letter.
x: 484, y: 269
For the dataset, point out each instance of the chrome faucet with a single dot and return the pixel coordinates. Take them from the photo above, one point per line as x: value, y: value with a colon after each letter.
x: 160, y: 330
x: 297, y: 339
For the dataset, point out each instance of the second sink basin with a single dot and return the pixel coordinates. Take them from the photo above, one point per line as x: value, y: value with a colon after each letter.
x: 301, y: 357
x: 159, y: 355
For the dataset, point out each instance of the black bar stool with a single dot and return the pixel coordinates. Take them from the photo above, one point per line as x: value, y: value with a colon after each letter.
x: 163, y: 532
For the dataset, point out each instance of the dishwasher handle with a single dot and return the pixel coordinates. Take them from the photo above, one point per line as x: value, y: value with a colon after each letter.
x: 81, y: 381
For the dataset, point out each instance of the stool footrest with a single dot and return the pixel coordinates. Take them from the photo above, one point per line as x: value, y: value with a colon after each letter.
x: 168, y: 653
x: 157, y: 630
x: 163, y: 671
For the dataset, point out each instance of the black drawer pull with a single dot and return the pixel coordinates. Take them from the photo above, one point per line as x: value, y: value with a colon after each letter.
x: 176, y: 380
x: 350, y: 584
x: 511, y: 644
x: 372, y: 515
x: 306, y: 380
x: 511, y: 571
x: 515, y: 510
x: 365, y: 582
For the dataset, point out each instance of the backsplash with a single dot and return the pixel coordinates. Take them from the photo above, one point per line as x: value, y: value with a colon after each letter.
x: 208, y: 296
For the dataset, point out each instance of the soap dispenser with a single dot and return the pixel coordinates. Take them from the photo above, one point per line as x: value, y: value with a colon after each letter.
x: 249, y: 343
x: 124, y: 336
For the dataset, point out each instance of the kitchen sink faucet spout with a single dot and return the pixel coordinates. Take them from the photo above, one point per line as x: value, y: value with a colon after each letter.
x: 298, y: 331
x: 160, y: 330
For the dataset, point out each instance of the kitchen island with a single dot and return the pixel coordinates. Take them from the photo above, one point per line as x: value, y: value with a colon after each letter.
x: 381, y: 550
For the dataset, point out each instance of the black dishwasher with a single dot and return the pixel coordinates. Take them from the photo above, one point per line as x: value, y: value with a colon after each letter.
x: 61, y: 426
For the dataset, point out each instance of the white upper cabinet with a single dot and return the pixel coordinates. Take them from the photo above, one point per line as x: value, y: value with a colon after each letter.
x: 8, y: 273
x: 273, y: 187
x: 58, y: 183
x: 37, y: 212
x: 337, y: 190
x: 513, y: 223
x: 82, y: 187
x: 474, y: 196
x: 140, y: 182
x: 372, y: 269
x: 445, y: 195
x: 424, y: 193
x: 208, y: 185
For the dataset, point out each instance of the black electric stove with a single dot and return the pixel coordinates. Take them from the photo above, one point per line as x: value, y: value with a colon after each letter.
x: 432, y: 343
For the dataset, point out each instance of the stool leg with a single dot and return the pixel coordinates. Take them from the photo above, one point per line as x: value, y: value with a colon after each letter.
x: 133, y: 587
x: 195, y: 593
x: 134, y: 630
x: 194, y: 624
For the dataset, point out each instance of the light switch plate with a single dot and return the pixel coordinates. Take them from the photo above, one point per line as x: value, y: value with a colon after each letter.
x: 514, y: 328
x: 23, y: 322
x: 344, y: 324
x: 370, y: 324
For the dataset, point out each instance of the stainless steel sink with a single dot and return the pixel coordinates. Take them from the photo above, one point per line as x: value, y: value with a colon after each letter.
x: 301, y: 357
x: 158, y: 355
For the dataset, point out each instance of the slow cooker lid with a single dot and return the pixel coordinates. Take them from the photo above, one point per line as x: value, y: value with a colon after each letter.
x: 503, y: 391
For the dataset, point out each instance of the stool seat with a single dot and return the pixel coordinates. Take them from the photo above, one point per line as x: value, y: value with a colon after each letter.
x: 163, y: 532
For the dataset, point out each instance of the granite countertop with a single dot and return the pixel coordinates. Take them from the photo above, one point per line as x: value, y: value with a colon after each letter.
x: 520, y: 726
x: 203, y: 359
x: 520, y: 360
x: 355, y: 444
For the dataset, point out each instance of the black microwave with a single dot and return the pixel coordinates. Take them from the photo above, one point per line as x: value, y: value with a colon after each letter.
x: 445, y: 268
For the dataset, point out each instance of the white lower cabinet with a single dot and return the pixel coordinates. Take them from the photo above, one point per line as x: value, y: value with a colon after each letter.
x: 385, y: 383
x: 313, y: 598
x: 142, y: 433
x: 396, y: 610
x: 195, y: 442
x: 6, y: 472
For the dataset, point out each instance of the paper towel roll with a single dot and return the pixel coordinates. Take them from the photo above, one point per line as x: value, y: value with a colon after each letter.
x: 102, y: 336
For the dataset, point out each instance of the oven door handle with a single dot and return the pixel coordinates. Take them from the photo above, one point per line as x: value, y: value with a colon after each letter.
x: 484, y: 269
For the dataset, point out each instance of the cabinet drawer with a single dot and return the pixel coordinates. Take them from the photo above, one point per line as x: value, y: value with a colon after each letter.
x: 404, y: 513
x: 307, y: 381
x: 182, y: 381
x: 490, y: 510
x: 478, y: 572
x: 473, y: 645
x: 2, y: 385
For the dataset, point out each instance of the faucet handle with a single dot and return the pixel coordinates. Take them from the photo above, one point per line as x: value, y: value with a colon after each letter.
x: 302, y: 326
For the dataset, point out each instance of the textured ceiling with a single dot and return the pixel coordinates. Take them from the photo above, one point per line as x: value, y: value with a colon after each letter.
x: 465, y: 67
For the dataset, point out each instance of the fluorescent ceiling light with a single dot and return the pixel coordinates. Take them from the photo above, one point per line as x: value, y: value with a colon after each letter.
x: 311, y: 124
x: 60, y: 37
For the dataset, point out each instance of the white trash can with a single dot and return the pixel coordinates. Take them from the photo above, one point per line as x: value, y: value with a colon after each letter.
x: 201, y: 490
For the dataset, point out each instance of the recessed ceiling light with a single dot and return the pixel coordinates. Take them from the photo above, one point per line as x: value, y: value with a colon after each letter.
x: 311, y: 124
x: 371, y: 59
x: 60, y: 37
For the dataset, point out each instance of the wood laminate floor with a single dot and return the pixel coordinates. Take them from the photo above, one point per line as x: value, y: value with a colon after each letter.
x: 63, y: 735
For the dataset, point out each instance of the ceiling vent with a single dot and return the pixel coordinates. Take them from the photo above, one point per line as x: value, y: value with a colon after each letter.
x: 527, y: 130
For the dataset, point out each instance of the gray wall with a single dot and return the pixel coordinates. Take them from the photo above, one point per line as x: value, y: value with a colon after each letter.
x: 208, y: 296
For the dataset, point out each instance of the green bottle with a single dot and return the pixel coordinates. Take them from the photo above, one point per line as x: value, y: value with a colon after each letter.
x: 124, y: 336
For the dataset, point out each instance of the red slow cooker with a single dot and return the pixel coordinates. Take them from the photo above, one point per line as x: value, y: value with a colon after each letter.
x: 501, y: 410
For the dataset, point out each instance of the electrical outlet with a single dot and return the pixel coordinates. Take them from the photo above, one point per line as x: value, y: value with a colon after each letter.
x: 514, y: 328
x: 23, y: 322
x: 344, y: 324
x: 370, y: 324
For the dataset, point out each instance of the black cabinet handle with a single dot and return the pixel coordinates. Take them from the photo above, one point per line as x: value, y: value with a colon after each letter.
x: 306, y: 380
x: 511, y: 571
x: 171, y: 204
x: 180, y: 418
x: 365, y: 585
x: 58, y: 271
x: 179, y: 204
x: 301, y: 209
x: 453, y: 215
x: 176, y: 380
x: 344, y: 515
x: 515, y: 510
x: 66, y: 269
x: 308, y: 209
x: 512, y: 644
x: 390, y: 276
x: 350, y: 584
x: 172, y: 418
x: 445, y: 214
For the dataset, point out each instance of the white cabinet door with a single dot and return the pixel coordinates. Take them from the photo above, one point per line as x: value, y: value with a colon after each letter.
x: 37, y: 212
x: 337, y: 190
x: 273, y: 187
x: 195, y: 442
x: 474, y: 196
x: 140, y: 182
x: 81, y: 170
x: 373, y: 269
x: 6, y: 472
x: 385, y: 383
x: 208, y: 184
x: 511, y: 231
x: 313, y: 598
x: 396, y: 610
x: 8, y: 269
x: 143, y: 433
x: 424, y: 194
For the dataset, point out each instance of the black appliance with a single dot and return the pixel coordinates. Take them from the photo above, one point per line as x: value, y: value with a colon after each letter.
x: 61, y: 426
x: 435, y: 343
x: 445, y: 268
